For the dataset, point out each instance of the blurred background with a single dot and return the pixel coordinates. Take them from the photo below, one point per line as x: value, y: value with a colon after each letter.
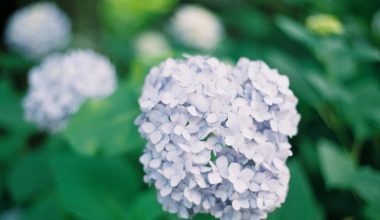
x: 328, y: 49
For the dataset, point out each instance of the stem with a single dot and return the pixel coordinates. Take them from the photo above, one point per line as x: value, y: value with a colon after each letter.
x: 357, y: 147
x: 339, y: 129
x: 334, y: 124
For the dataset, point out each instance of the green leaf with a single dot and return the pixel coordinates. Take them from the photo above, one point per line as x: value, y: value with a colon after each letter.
x: 95, y: 188
x: 337, y: 167
x: 44, y: 209
x: 295, y: 30
x: 13, y: 62
x: 331, y: 91
x: 363, y: 113
x: 251, y: 22
x: 106, y: 126
x: 326, y: 52
x: 29, y: 177
x: 366, y: 52
x: 300, y: 192
x: 16, y: 130
x: 138, y: 209
x: 11, y: 113
x: 367, y: 184
x: 371, y: 212
x: 308, y: 150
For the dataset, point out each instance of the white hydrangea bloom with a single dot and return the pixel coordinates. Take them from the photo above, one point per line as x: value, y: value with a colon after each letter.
x: 196, y: 27
x: 38, y: 29
x: 217, y: 136
x: 151, y: 44
x: 62, y: 83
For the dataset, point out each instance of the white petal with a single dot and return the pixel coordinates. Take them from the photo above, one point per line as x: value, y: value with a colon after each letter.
x: 169, y: 172
x: 200, y: 102
x: 166, y: 191
x: 229, y: 140
x: 192, y: 110
x: 214, y: 178
x: 246, y: 175
x: 234, y: 169
x: 148, y: 127
x: 240, y: 186
x: 178, y: 129
x: 175, y: 180
x: 236, y: 205
x: 155, y: 137
x: 260, y: 203
x: 155, y: 163
x: 221, y: 162
x: 167, y: 128
x: 186, y: 135
x: 212, y: 118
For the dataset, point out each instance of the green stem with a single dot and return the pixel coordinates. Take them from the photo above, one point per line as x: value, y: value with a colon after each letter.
x: 357, y: 147
x: 335, y: 125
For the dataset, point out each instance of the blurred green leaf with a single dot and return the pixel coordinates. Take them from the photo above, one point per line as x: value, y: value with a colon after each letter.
x: 338, y: 168
x: 331, y: 91
x: 248, y: 21
x: 295, y: 30
x: 29, y: 177
x: 367, y: 52
x: 363, y: 112
x: 299, y: 191
x: 326, y: 52
x: 44, y: 209
x: 106, y: 126
x: 371, y: 212
x: 307, y: 154
x: 125, y: 17
x: 367, y: 184
x: 146, y: 206
x: 11, y: 113
x: 95, y: 188
x: 14, y: 62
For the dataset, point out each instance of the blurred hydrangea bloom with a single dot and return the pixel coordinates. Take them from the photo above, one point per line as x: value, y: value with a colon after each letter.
x: 196, y: 27
x: 217, y: 136
x: 151, y: 44
x: 37, y: 30
x: 324, y: 24
x: 62, y: 83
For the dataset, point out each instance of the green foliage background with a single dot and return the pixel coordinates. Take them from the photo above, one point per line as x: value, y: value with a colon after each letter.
x: 91, y: 169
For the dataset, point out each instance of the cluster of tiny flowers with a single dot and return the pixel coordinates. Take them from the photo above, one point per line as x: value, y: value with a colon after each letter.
x: 196, y: 27
x: 37, y: 30
x: 217, y: 136
x: 62, y: 83
x: 152, y: 44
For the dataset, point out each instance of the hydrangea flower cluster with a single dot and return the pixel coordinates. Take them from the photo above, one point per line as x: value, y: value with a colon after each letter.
x: 37, y: 30
x: 152, y: 44
x: 217, y: 136
x: 196, y: 27
x: 62, y: 83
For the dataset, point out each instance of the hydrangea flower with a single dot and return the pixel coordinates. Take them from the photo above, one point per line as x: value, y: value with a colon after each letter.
x: 196, y: 27
x: 62, y: 83
x: 151, y: 44
x: 217, y: 136
x: 38, y: 29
